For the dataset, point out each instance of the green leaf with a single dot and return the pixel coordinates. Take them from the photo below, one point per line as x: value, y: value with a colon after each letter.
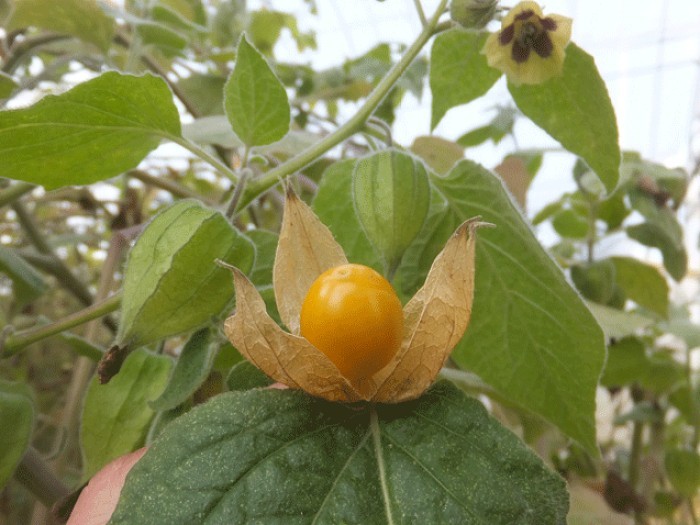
x: 391, y: 193
x: 595, y: 281
x: 245, y: 376
x: 333, y: 205
x: 616, y: 323
x: 168, y: 41
x: 265, y: 249
x: 27, y: 282
x: 116, y: 416
x: 280, y: 456
x: 191, y: 369
x: 627, y: 362
x: 438, y: 153
x: 683, y: 469
x: 17, y: 416
x: 530, y: 336
x: 575, y: 109
x: 266, y: 26
x: 662, y: 231
x: 459, y: 72
x: 82, y: 346
x: 80, y: 18
x: 205, y: 92
x: 7, y: 85
x: 255, y: 100
x: 93, y: 132
x: 642, y: 283
x: 569, y: 223
x: 172, y: 283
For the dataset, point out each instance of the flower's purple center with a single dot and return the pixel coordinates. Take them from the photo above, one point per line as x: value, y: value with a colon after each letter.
x: 528, y: 32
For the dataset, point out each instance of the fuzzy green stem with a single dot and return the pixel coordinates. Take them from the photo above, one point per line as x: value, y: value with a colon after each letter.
x: 17, y: 342
x: 353, y: 125
x: 14, y: 192
x: 36, y: 475
x: 205, y: 156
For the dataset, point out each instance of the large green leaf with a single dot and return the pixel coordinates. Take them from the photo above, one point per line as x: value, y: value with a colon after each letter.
x: 333, y: 205
x: 93, y: 132
x: 172, y: 283
x: 17, y: 416
x: 391, y: 193
x: 459, y: 72
x: 530, y: 335
x: 80, y: 18
x: 280, y: 456
x: 575, y: 109
x: 255, y: 100
x: 116, y: 416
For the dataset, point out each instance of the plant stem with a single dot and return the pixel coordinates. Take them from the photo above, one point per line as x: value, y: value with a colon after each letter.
x: 421, y: 13
x: 36, y: 475
x: 14, y: 192
x: 57, y: 267
x: 205, y: 156
x: 18, y: 341
x: 353, y: 125
x: 18, y: 52
x: 170, y: 186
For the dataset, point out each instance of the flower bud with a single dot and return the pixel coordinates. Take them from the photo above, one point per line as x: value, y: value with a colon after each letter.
x: 473, y: 14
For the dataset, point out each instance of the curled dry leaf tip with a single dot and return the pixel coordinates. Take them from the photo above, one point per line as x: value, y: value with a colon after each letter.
x: 435, y: 318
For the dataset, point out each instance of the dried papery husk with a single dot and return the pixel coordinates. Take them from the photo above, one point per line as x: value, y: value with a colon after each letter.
x: 305, y: 250
x: 286, y: 358
x: 435, y: 319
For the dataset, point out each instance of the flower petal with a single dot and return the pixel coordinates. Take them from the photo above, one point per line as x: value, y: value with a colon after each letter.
x: 434, y: 320
x: 306, y: 249
x: 286, y: 358
x: 518, y: 9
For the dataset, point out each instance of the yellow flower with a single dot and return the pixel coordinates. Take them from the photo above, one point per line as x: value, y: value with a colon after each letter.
x: 434, y: 319
x: 529, y: 48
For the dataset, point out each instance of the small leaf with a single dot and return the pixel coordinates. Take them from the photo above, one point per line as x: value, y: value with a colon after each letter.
x: 334, y: 207
x: 282, y: 457
x: 569, y: 223
x: 28, y: 284
x: 627, y: 362
x: 245, y: 376
x: 683, y: 469
x: 255, y: 100
x: 516, y: 177
x: 172, y: 283
x: 662, y: 231
x: 530, y: 335
x: 616, y: 323
x: 306, y: 249
x: 82, y: 346
x: 81, y: 18
x: 205, y: 92
x: 391, y: 195
x: 595, y: 281
x: 438, y: 153
x: 116, y: 416
x: 575, y: 109
x: 459, y: 72
x: 265, y: 246
x: 191, y: 369
x: 95, y: 131
x: 642, y: 283
x: 17, y: 416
